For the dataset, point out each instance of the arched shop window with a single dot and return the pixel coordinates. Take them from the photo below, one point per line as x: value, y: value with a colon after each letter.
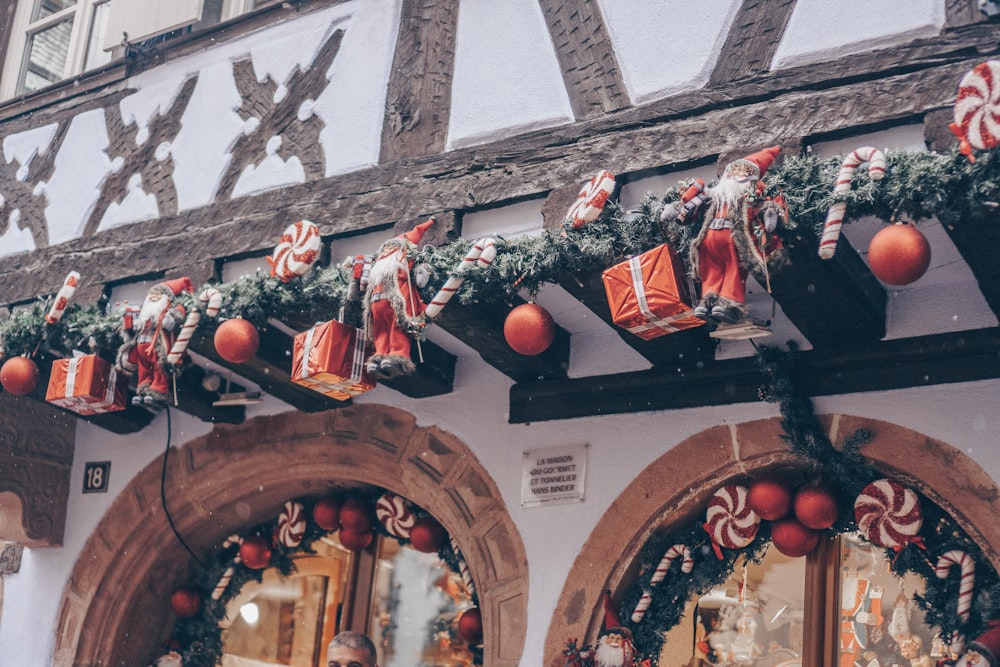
x: 367, y: 561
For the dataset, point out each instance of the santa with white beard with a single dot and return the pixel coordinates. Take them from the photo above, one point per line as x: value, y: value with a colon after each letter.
x: 985, y: 651
x: 735, y: 238
x: 615, y: 649
x: 149, y: 339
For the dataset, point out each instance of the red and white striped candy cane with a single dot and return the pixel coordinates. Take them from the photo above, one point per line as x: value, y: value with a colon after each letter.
x: 835, y: 216
x: 687, y: 564
x: 463, y: 568
x: 62, y: 297
x: 481, y: 254
x: 211, y: 301
x: 220, y: 587
x: 967, y: 582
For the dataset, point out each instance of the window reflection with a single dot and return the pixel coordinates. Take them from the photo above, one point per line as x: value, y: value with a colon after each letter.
x: 45, y: 8
x: 47, y: 51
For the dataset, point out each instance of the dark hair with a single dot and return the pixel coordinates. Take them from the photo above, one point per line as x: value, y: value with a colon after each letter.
x: 356, y: 640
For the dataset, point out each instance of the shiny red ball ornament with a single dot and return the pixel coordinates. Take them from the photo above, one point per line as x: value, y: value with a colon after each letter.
x: 899, y: 254
x: 255, y: 552
x: 792, y: 538
x: 815, y: 506
x: 185, y: 602
x: 356, y: 541
x: 237, y: 341
x: 356, y: 515
x: 427, y: 535
x: 470, y: 626
x: 529, y: 329
x: 19, y: 375
x: 770, y: 498
x: 326, y: 513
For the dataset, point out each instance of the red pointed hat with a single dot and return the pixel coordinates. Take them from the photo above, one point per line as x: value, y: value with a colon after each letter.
x: 988, y: 644
x: 417, y: 233
x: 611, y: 619
x: 178, y: 285
x: 763, y: 158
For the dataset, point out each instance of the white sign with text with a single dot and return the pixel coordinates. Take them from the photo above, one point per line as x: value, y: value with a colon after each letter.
x: 554, y: 475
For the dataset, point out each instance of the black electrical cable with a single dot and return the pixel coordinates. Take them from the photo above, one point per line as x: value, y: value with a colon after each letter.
x: 163, y: 495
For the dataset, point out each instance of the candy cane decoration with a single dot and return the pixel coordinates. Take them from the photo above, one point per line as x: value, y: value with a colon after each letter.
x: 211, y: 301
x: 835, y: 216
x: 968, y: 569
x: 220, y: 587
x: 481, y: 254
x: 687, y: 564
x: 463, y: 568
x: 62, y: 297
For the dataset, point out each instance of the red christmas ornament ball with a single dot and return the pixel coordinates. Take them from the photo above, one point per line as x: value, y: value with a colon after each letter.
x: 529, y: 329
x: 326, y: 513
x: 427, y: 535
x: 185, y: 602
x: 355, y: 540
x: 770, y: 498
x: 236, y: 341
x: 356, y: 515
x: 19, y: 375
x: 899, y: 254
x: 792, y: 538
x: 255, y: 552
x: 470, y: 626
x: 815, y: 506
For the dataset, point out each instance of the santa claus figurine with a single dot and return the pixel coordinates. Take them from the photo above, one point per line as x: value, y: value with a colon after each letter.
x: 737, y: 235
x: 149, y: 335
x: 393, y: 308
x: 615, y: 648
x: 985, y: 650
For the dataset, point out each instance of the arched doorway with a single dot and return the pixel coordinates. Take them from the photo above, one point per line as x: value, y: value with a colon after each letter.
x: 115, y: 609
x: 678, y: 485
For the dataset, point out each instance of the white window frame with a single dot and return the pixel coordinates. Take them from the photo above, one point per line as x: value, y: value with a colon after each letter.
x: 23, y: 27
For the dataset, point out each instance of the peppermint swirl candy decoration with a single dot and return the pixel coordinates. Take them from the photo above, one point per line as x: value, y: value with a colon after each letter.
x: 729, y: 520
x: 298, y: 249
x: 888, y: 514
x: 591, y: 200
x: 291, y: 525
x: 977, y: 106
x: 395, y: 515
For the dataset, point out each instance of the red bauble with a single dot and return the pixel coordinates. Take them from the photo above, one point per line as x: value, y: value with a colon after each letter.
x: 255, y: 552
x: 427, y: 535
x: 236, y: 341
x: 815, y: 506
x: 899, y: 254
x: 356, y: 515
x: 356, y: 541
x: 792, y: 538
x: 770, y: 498
x: 529, y: 329
x: 326, y: 513
x: 470, y: 626
x: 19, y: 375
x: 185, y: 602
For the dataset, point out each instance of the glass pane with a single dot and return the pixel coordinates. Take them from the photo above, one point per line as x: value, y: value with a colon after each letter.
x: 754, y: 619
x: 45, y: 8
x: 96, y: 55
x: 418, y: 601
x: 879, y: 622
x: 46, y: 56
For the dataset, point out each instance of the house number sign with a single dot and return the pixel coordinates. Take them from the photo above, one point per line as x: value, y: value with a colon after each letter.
x: 553, y: 475
x: 95, y: 476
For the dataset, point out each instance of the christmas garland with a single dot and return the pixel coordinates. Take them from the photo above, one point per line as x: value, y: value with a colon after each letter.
x: 846, y: 472
x: 917, y: 185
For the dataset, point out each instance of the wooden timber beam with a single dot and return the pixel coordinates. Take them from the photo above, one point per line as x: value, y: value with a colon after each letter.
x: 978, y: 240
x: 963, y: 356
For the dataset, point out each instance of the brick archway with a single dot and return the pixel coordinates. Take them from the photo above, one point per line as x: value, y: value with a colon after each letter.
x: 679, y: 483
x: 114, y: 608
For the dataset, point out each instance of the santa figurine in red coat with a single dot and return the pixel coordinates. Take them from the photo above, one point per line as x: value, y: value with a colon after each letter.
x: 149, y: 335
x: 393, y: 308
x: 984, y: 651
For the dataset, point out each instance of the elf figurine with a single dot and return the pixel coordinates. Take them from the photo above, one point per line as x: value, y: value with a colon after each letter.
x: 737, y: 235
x: 149, y: 339
x: 393, y: 308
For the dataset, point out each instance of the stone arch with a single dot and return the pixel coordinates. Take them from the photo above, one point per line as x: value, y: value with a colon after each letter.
x: 678, y: 485
x: 114, y: 610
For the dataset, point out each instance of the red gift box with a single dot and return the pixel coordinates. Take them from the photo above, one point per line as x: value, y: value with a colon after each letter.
x: 87, y: 385
x: 330, y: 359
x: 648, y: 294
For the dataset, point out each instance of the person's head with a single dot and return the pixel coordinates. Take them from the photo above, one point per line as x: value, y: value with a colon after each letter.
x: 351, y: 649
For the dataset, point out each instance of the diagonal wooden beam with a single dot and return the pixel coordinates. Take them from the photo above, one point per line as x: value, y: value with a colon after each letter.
x: 977, y: 238
x: 752, y: 40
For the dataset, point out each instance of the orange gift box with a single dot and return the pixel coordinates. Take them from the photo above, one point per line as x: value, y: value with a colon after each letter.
x: 648, y: 294
x: 330, y: 359
x: 86, y: 385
